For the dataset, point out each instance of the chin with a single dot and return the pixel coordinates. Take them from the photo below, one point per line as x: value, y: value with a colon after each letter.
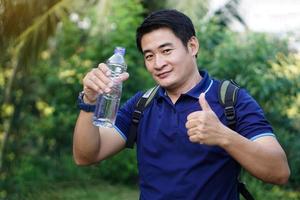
x: 162, y: 83
x: 167, y: 82
x: 167, y: 86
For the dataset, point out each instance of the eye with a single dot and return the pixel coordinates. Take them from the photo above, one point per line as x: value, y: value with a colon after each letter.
x: 148, y: 57
x: 167, y: 51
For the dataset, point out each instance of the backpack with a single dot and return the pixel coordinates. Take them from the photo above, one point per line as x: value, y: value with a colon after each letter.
x: 227, y: 95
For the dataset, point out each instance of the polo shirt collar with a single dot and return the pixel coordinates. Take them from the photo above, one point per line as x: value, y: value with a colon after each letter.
x: 195, y: 92
x: 202, y: 86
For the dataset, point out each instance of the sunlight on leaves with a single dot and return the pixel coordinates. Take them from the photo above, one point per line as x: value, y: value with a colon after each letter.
x: 45, y: 55
x: 1, y: 136
x: 7, y: 110
x: 287, y: 66
x: 44, y: 108
x: 68, y: 75
x: 3, y: 193
x: 87, y: 63
x: 11, y: 156
x: 2, y: 79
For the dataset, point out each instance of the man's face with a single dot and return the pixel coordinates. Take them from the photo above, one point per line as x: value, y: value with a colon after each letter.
x: 170, y: 63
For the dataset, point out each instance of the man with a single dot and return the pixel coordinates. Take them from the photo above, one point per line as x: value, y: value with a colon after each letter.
x: 184, y: 148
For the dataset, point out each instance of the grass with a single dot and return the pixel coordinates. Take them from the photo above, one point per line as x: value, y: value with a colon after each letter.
x: 80, y: 191
x: 103, y: 190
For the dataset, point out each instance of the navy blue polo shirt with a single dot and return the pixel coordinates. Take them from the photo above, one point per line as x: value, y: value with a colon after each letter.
x: 172, y: 167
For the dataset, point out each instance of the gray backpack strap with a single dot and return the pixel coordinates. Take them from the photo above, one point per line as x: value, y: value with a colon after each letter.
x: 228, y: 90
x: 137, y: 114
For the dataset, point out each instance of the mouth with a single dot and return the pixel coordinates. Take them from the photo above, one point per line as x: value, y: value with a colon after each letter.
x: 163, y: 75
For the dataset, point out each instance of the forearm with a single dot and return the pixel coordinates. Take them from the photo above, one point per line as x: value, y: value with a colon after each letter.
x: 86, y: 141
x: 89, y: 145
x: 264, y: 161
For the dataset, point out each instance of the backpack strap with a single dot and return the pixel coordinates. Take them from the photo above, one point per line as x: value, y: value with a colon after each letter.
x: 228, y: 90
x: 227, y: 97
x: 244, y: 191
x: 138, y: 111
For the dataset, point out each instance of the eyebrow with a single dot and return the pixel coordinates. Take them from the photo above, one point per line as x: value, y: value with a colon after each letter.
x: 159, y: 47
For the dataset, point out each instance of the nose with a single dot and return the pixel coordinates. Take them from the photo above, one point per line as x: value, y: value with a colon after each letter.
x: 160, y: 61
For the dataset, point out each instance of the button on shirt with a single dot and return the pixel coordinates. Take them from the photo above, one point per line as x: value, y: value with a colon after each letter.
x: 172, y: 167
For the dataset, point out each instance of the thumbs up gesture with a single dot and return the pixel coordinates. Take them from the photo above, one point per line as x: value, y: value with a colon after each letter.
x: 204, y: 126
x: 203, y: 103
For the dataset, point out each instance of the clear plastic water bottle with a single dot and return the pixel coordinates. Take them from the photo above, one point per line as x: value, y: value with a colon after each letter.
x: 108, y: 103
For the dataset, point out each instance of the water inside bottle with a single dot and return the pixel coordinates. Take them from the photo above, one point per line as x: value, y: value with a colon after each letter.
x: 106, y: 110
x: 108, y: 103
x: 116, y: 69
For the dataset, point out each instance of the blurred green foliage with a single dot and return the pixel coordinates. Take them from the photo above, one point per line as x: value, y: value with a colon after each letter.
x: 263, y: 65
x: 39, y: 147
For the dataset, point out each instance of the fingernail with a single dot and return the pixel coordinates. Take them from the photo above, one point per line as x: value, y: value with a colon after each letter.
x: 110, y: 84
x: 107, y: 73
x: 118, y: 80
x: 107, y: 90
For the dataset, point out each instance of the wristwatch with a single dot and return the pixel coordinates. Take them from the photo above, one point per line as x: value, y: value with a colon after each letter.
x: 84, y: 106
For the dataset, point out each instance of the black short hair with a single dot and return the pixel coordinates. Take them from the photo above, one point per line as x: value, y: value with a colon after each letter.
x: 180, y: 24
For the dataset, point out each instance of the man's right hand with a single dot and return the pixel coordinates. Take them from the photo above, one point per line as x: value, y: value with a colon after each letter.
x: 97, y: 81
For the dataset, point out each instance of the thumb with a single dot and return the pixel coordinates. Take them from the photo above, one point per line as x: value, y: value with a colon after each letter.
x: 203, y: 103
x: 122, y: 77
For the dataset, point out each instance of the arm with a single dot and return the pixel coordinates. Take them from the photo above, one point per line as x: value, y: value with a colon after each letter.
x: 92, y: 144
x: 264, y: 158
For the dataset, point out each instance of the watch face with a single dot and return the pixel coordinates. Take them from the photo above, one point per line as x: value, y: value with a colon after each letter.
x: 83, y: 106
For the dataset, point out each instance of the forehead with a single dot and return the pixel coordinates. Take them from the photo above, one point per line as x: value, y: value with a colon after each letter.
x: 154, y: 39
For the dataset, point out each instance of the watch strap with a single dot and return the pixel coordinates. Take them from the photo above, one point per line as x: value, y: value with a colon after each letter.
x: 84, y: 106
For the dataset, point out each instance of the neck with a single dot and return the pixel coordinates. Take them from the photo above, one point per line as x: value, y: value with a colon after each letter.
x: 174, y: 93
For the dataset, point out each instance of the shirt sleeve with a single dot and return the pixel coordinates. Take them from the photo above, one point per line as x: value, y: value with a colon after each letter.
x: 251, y: 121
x: 124, y: 115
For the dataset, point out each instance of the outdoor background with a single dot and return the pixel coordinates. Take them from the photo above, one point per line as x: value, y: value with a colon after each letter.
x: 47, y: 46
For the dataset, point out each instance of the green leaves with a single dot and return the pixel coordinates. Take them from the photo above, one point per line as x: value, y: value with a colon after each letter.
x: 263, y: 65
x: 42, y: 106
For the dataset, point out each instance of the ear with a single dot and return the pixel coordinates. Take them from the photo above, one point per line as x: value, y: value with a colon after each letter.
x: 193, y: 45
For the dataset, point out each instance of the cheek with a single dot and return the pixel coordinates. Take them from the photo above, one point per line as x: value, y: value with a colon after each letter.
x: 180, y: 64
x: 148, y: 66
x: 185, y: 62
x: 150, y: 69
x: 180, y: 58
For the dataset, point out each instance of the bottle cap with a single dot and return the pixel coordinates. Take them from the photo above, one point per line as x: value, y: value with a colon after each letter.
x: 120, y: 50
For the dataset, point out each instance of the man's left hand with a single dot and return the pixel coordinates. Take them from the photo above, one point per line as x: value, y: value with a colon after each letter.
x: 204, y: 126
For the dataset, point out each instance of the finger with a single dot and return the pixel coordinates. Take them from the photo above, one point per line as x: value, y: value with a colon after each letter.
x: 91, y: 87
x: 192, y: 123
x: 193, y: 138
x: 92, y: 82
x: 199, y: 138
x: 124, y: 76
x: 196, y: 129
x: 101, y: 75
x: 104, y: 74
x: 196, y: 138
x: 92, y: 91
x: 203, y: 103
x: 194, y: 115
x: 104, y: 68
x: 100, y: 79
x: 192, y: 131
x: 101, y: 85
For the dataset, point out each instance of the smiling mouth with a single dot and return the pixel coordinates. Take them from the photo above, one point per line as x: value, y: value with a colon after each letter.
x: 163, y: 75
